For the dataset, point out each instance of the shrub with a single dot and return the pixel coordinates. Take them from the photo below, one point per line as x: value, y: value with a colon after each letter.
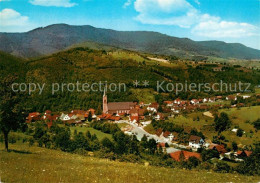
x: 234, y: 146
x: 193, y: 162
x: 12, y: 138
x: 222, y: 167
x: 25, y: 140
x: 31, y: 141
x: 130, y: 158
x: 40, y: 143
x: 257, y: 124
x: 240, y: 132
x: 206, y: 166
x: 81, y: 151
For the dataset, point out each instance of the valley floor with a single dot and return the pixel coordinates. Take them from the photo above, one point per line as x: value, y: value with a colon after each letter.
x: 34, y: 164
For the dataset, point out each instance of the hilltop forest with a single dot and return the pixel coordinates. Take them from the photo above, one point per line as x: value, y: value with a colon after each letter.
x: 114, y: 66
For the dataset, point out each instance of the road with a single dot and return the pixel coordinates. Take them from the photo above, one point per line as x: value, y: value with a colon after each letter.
x: 140, y: 132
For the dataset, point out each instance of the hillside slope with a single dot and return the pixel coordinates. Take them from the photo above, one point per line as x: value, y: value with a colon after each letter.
x: 54, y: 38
x: 34, y: 164
x: 85, y: 65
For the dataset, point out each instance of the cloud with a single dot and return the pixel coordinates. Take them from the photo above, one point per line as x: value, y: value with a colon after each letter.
x: 57, y: 3
x: 181, y: 13
x: 127, y: 3
x: 10, y: 17
x: 222, y: 29
x: 197, y: 2
x: 168, y: 12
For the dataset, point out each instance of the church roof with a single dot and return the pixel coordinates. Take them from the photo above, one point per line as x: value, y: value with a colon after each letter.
x: 120, y: 105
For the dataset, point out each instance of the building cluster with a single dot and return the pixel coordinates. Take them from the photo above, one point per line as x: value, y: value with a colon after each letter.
x: 195, y: 143
x: 136, y: 113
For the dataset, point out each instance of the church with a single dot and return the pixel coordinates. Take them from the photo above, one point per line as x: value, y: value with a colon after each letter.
x: 116, y: 107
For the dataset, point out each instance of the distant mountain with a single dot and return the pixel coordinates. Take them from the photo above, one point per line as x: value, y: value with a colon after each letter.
x: 54, y: 38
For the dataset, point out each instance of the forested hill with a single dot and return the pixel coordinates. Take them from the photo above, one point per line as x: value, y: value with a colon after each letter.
x: 54, y: 38
x: 88, y: 66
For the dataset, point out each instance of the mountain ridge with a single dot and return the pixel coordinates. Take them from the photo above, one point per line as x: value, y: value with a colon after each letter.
x: 53, y: 38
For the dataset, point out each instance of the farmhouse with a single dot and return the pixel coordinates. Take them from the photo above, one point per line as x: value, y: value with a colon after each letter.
x: 220, y: 148
x: 243, y: 153
x: 194, y: 101
x: 34, y: 116
x: 195, y: 142
x: 153, y: 107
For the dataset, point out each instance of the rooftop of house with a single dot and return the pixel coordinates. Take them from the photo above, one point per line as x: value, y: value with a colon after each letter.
x: 166, y: 134
x: 247, y: 153
x: 159, y: 132
x: 219, y: 147
x: 195, y: 139
x: 185, y: 155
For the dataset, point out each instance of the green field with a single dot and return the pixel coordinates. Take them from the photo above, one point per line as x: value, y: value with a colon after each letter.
x: 122, y: 125
x: 34, y: 164
x: 100, y: 135
x: 144, y: 95
x: 241, y: 118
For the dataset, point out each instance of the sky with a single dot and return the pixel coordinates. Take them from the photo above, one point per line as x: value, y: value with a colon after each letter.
x: 232, y: 21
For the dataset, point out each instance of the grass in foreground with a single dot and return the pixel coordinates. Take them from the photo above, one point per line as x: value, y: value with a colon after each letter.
x: 34, y: 164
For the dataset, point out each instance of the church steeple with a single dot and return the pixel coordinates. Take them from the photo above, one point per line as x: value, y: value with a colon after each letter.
x: 105, y: 107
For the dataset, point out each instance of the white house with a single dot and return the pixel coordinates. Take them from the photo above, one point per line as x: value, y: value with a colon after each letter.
x: 245, y: 96
x: 168, y: 136
x: 194, y: 101
x: 64, y: 117
x: 230, y: 97
x: 159, y: 116
x: 205, y: 100
x: 212, y: 99
x: 177, y: 101
x: 175, y: 110
x: 196, y: 142
x: 152, y: 109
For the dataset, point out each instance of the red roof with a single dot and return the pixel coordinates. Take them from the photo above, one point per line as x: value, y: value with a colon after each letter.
x: 133, y: 111
x: 186, y: 154
x: 34, y: 116
x: 247, y: 153
x: 70, y: 115
x: 161, y: 145
x: 183, y: 102
x: 136, y: 118
x: 109, y: 117
x: 195, y: 139
x: 166, y: 134
x: 159, y: 132
x: 48, y: 112
x: 114, y: 118
x: 220, y: 148
x: 154, y: 105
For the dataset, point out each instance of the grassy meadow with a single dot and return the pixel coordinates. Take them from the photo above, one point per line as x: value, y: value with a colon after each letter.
x: 241, y: 118
x: 35, y: 164
x: 100, y: 135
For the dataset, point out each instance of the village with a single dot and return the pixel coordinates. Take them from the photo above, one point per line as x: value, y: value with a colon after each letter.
x: 136, y: 116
